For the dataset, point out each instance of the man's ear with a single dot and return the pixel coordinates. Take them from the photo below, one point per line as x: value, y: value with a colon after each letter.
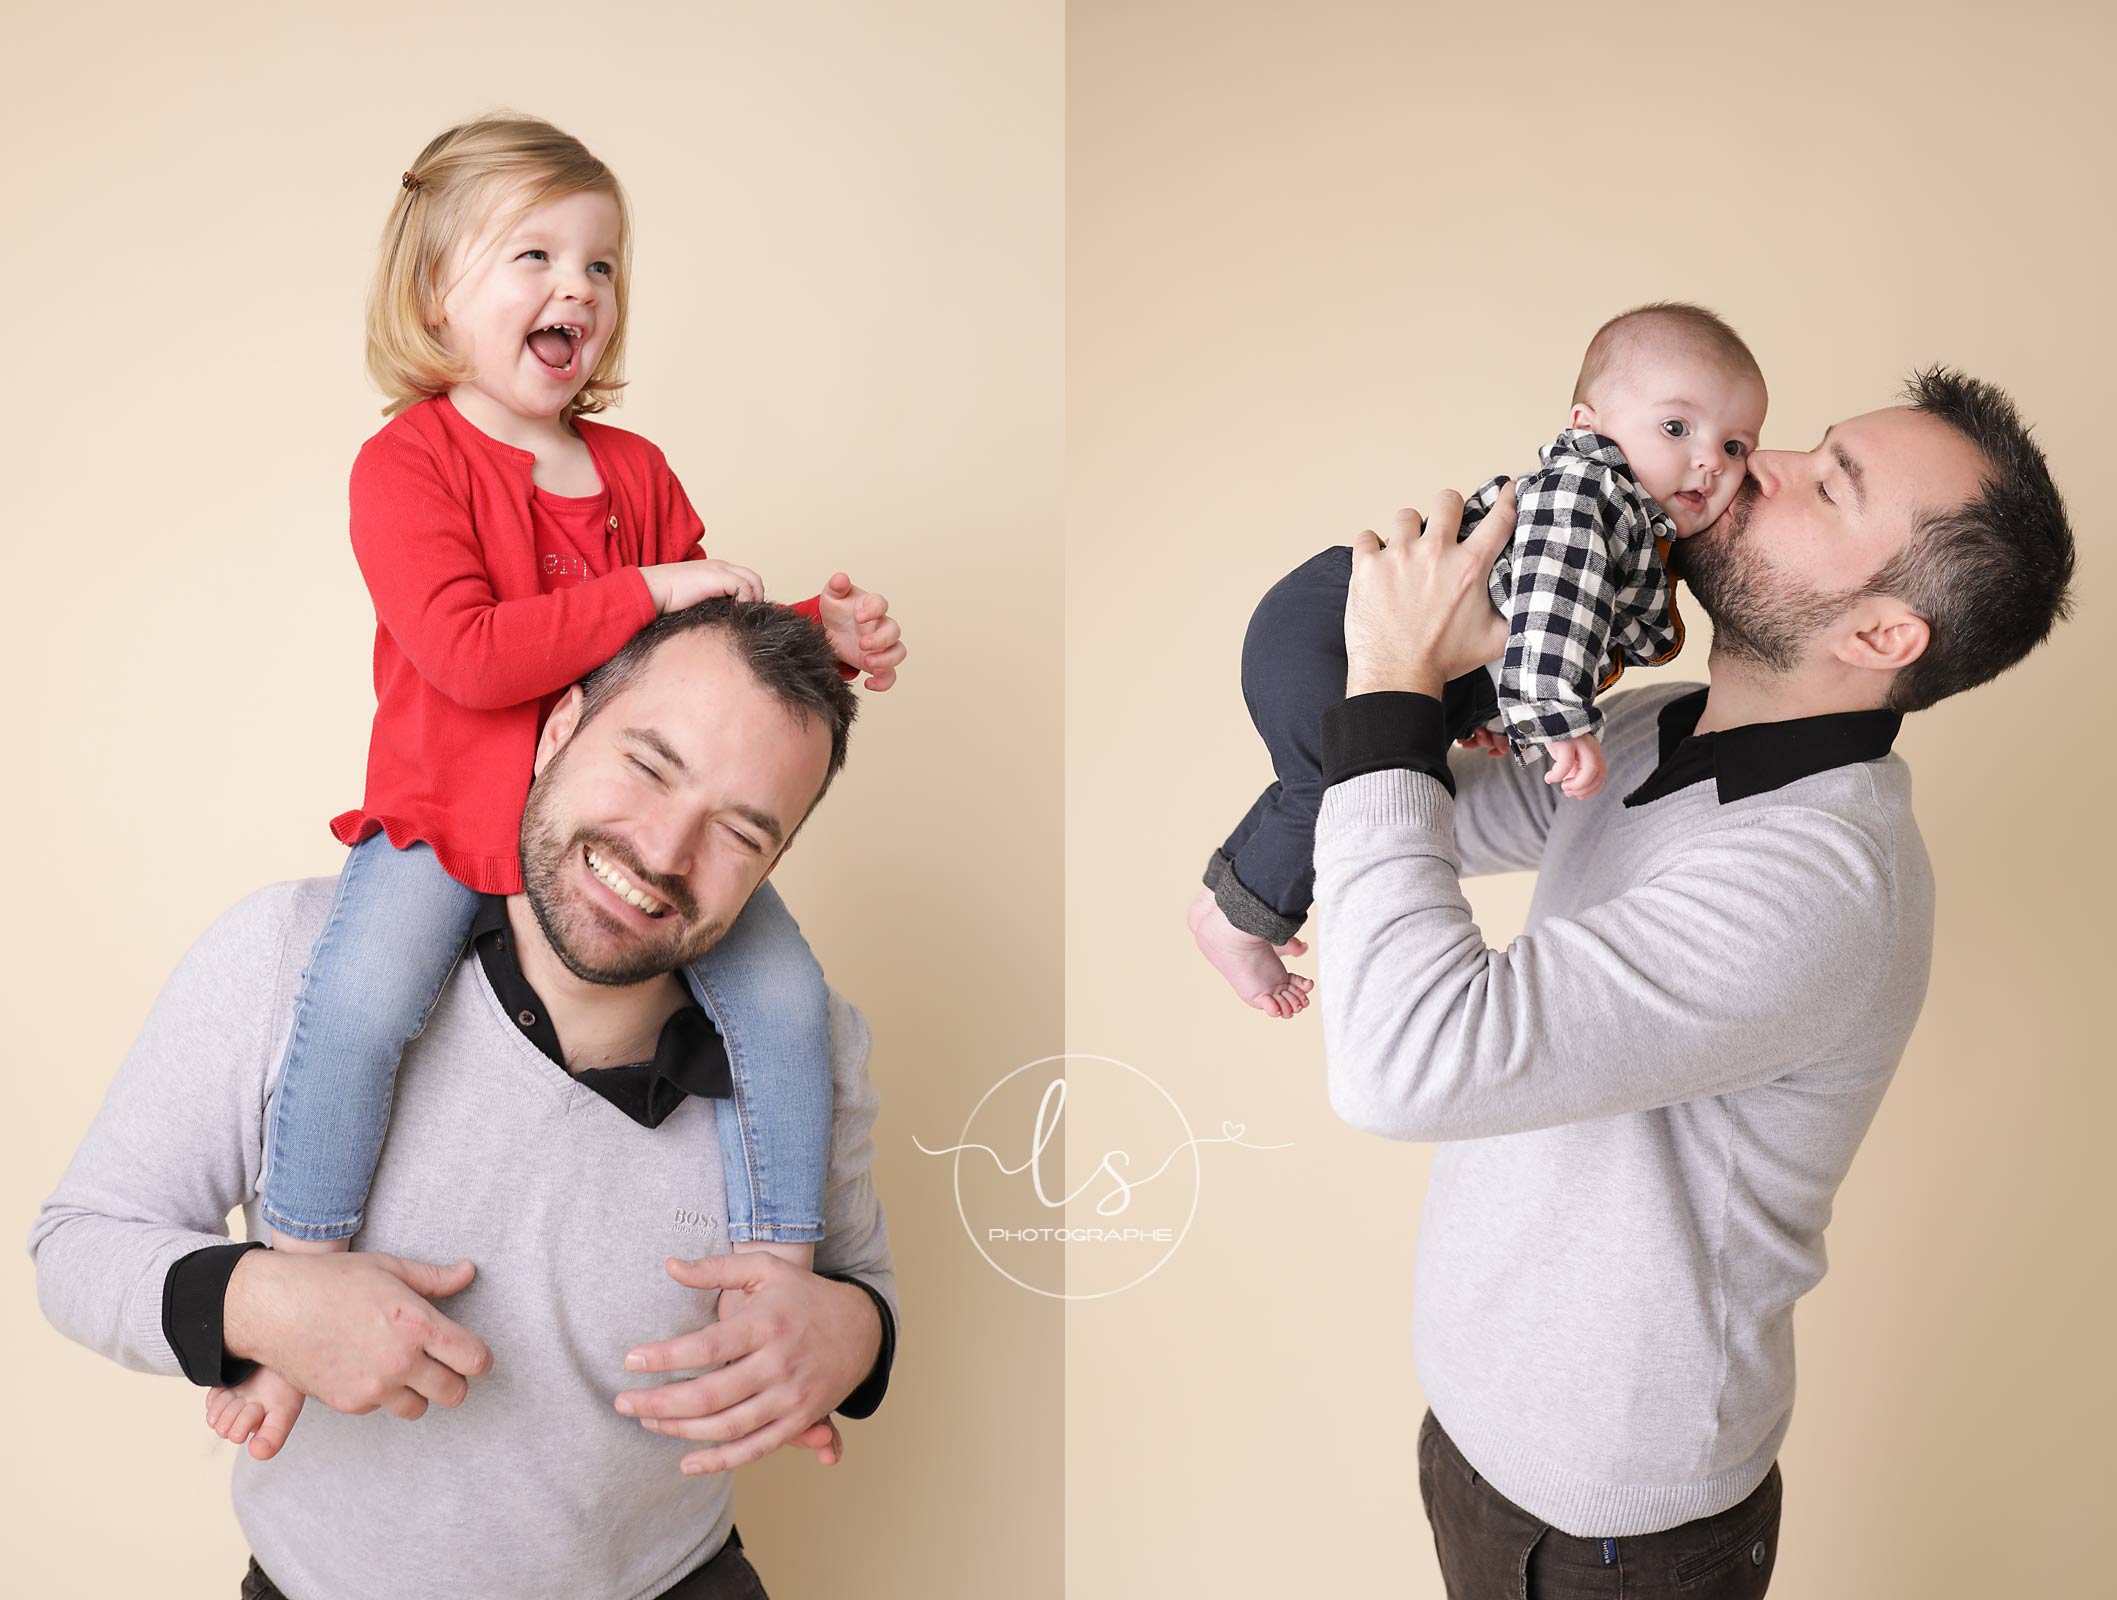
x: 1583, y: 415
x: 559, y: 727
x: 1889, y: 643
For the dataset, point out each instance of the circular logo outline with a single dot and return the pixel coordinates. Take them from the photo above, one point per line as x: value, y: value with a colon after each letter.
x: 1190, y: 1144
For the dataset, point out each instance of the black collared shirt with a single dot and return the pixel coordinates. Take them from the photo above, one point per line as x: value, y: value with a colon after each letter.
x: 1399, y: 729
x: 690, y: 1057
x: 1759, y: 757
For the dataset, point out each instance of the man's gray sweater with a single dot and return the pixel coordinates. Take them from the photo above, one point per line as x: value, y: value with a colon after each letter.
x: 535, y: 1486
x: 1646, y: 1102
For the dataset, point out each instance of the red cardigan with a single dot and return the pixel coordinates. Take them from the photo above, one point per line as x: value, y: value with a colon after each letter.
x: 471, y: 651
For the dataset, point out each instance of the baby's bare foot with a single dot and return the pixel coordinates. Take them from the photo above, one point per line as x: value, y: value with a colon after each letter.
x: 1251, y: 964
x: 260, y: 1410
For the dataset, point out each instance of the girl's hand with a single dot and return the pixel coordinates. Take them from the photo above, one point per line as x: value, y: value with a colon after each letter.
x: 1489, y: 740
x: 677, y: 584
x: 862, y: 631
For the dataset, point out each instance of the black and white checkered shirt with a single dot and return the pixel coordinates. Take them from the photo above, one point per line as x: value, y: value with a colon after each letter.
x: 1582, y: 585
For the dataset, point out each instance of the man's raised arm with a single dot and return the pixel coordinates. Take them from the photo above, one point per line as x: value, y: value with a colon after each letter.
x: 1503, y: 812
x: 1750, y: 950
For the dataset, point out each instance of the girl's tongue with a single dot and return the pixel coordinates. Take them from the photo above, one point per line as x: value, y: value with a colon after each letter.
x: 552, y: 348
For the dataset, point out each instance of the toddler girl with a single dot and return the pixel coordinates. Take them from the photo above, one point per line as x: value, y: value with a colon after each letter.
x: 511, y: 547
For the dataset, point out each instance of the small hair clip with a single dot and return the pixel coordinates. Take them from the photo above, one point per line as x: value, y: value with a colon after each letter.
x: 410, y: 182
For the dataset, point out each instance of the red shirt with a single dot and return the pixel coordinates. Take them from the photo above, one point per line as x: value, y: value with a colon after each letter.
x: 492, y: 598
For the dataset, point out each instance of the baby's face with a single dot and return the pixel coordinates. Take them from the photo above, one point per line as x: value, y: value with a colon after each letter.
x: 1687, y: 427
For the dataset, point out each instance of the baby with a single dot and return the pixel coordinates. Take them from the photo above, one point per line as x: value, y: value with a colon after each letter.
x: 1665, y: 413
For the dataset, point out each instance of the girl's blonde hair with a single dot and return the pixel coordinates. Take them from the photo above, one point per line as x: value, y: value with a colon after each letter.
x: 491, y: 171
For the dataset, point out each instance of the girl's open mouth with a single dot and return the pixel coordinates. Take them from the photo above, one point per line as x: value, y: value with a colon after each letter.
x: 557, y: 349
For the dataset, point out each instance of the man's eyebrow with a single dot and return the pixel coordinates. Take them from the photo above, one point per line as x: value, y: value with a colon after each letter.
x: 754, y: 816
x: 660, y: 746
x: 764, y: 821
x: 1855, y: 474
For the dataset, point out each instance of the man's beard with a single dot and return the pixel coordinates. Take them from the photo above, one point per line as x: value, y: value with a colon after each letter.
x: 1759, y: 615
x: 547, y: 849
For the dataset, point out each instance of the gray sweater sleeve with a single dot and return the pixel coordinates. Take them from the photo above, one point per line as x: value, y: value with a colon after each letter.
x: 1753, y: 948
x: 1503, y: 812
x: 856, y: 1239
x: 165, y: 1161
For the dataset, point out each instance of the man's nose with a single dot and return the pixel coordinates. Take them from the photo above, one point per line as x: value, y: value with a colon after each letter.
x: 666, y: 845
x: 1771, y: 469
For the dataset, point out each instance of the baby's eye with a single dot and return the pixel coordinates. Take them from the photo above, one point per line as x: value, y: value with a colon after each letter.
x: 1825, y: 493
x: 608, y: 270
x: 1736, y: 448
x: 530, y: 253
x: 1676, y: 428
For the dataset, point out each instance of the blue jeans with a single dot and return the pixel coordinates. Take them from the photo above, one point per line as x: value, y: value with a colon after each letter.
x: 1293, y: 670
x: 396, y: 930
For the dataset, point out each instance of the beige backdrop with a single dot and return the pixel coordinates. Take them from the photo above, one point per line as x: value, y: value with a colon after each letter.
x: 1324, y: 258
x: 1319, y: 260
x: 846, y: 336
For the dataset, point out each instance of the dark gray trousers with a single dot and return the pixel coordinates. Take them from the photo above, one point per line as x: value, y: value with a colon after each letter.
x: 728, y: 1576
x: 1491, y: 1549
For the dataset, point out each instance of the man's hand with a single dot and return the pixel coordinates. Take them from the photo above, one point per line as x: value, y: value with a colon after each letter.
x: 354, y: 1331
x: 862, y: 631
x: 1419, y: 612
x: 796, y: 1346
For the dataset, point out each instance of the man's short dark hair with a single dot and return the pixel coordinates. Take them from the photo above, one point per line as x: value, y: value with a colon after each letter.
x: 1992, y: 576
x: 790, y: 657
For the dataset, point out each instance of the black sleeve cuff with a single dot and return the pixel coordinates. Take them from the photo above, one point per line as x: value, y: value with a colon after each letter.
x: 864, y: 1401
x: 192, y: 1297
x: 1383, y: 732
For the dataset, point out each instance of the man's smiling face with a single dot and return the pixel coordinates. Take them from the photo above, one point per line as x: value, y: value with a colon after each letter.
x: 649, y: 826
x: 1781, y: 571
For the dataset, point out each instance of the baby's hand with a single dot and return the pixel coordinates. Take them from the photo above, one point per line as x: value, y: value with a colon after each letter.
x: 675, y: 585
x: 862, y: 631
x: 1576, y: 766
x: 1489, y: 740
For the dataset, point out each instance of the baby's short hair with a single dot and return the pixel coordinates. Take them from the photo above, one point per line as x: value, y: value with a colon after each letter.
x: 496, y: 168
x: 1679, y: 319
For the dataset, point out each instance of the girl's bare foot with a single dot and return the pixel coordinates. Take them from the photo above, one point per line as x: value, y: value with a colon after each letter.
x: 260, y: 1411
x: 1251, y: 964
